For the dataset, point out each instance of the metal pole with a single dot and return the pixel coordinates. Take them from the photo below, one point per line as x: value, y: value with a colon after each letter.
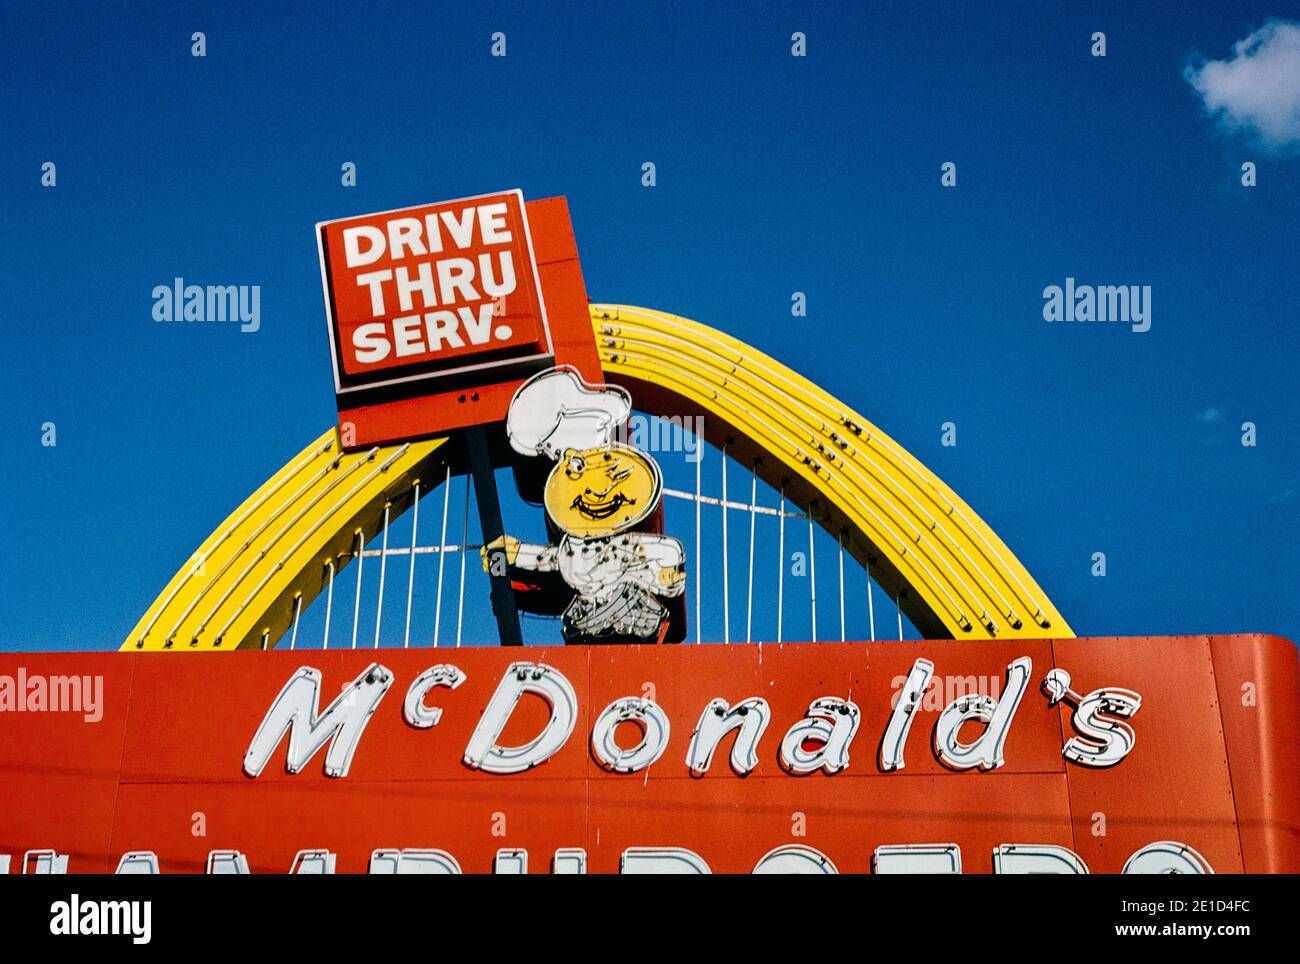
x: 699, y: 549
x: 356, y: 606
x: 442, y: 553
x: 489, y: 514
x: 410, y: 576
x: 383, y: 571
x: 780, y: 570
x: 842, y: 633
x: 329, y: 603
x: 297, y: 612
x: 464, y: 552
x: 812, y: 574
x: 871, y: 606
x: 749, y: 600
x: 726, y: 557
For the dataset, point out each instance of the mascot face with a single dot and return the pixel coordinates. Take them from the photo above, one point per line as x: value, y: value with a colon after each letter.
x: 602, y: 491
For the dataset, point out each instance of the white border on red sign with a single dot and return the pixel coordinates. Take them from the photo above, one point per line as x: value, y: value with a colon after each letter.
x: 432, y: 376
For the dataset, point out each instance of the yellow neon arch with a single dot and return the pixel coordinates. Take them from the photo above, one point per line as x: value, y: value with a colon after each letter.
x: 955, y: 577
x: 917, y: 535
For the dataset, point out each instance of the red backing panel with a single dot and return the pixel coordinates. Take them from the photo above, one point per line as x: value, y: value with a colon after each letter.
x: 845, y: 817
x: 352, y: 819
x: 1258, y: 678
x: 1174, y: 785
x: 175, y: 727
x: 59, y: 770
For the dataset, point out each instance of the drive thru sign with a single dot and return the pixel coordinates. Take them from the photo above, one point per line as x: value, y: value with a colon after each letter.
x: 423, y: 293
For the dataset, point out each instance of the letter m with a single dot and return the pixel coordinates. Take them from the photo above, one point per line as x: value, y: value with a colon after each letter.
x: 222, y: 304
x: 295, y: 712
x: 1116, y: 301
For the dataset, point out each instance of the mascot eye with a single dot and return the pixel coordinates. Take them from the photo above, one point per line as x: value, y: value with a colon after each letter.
x: 576, y: 467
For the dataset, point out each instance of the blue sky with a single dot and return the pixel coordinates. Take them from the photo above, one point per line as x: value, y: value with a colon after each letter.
x: 775, y: 174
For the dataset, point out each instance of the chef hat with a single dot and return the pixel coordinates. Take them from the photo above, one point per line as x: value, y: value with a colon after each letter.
x: 556, y: 410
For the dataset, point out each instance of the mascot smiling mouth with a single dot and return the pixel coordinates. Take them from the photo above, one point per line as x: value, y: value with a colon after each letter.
x: 601, y: 508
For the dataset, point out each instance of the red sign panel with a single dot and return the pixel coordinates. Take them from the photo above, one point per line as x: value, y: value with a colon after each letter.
x: 420, y: 293
x: 624, y: 758
x: 432, y: 397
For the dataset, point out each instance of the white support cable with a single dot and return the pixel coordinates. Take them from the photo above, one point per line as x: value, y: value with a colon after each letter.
x: 356, y: 606
x: 742, y: 506
x: 749, y: 600
x: 464, y: 553
x: 383, y: 568
x: 410, y: 576
x: 420, y: 550
x: 842, y: 632
x: 442, y: 554
x: 899, y: 606
x: 329, y: 603
x: 699, y: 550
x: 780, y: 569
x: 812, y: 575
x: 726, y: 557
x: 297, y: 612
x: 871, y: 605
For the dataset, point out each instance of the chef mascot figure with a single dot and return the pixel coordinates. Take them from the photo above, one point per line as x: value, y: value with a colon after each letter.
x: 608, y: 572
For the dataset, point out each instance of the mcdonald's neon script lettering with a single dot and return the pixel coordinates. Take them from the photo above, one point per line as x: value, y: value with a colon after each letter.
x: 821, y: 740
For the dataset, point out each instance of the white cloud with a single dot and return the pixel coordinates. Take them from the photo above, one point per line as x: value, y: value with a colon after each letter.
x: 1257, y: 89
